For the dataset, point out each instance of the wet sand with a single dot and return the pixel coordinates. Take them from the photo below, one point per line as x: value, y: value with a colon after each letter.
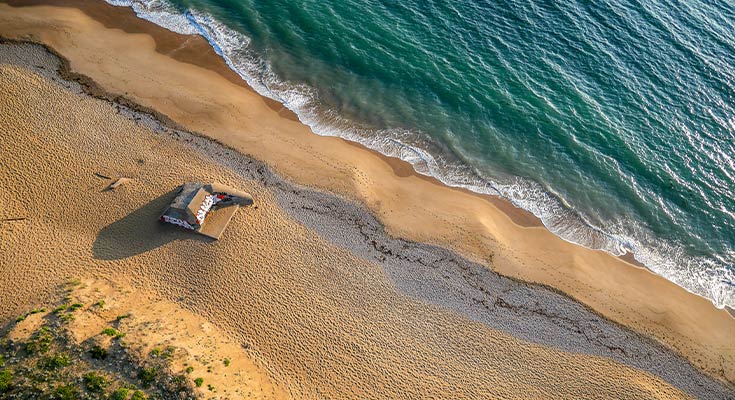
x: 322, y: 298
x: 460, y: 221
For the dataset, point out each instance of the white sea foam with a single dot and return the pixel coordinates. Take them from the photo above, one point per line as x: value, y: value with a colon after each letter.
x: 703, y: 276
x: 159, y: 12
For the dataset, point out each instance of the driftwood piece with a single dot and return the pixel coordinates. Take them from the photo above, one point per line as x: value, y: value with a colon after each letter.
x: 119, y: 182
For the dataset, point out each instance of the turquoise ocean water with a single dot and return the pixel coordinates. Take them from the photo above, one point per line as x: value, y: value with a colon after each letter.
x: 613, y: 120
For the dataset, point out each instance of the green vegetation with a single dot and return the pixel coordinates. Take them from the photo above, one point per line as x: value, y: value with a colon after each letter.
x: 22, y: 318
x: 110, y: 331
x: 120, y: 394
x: 226, y: 362
x: 54, y: 362
x: 74, y: 282
x: 189, y: 369
x: 168, y: 352
x: 113, y: 332
x: 67, y: 392
x: 6, y: 380
x: 199, y: 382
x: 147, y: 375
x: 100, y: 304
x: 95, y: 382
x: 138, y: 395
x: 66, y: 317
x: 210, y: 387
x: 40, y: 341
x: 98, y: 353
x: 122, y: 317
x: 50, y: 364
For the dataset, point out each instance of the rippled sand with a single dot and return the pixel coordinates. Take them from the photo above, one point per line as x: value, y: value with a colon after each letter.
x: 305, y: 282
x: 182, y: 78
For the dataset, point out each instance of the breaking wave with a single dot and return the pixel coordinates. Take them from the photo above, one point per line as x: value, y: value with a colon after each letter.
x: 705, y: 276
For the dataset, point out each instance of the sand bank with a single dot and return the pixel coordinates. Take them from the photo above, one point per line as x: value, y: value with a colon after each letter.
x: 214, y: 104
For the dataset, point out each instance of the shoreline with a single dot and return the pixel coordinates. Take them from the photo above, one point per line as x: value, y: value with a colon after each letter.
x: 401, y: 167
x: 682, y: 312
x: 372, y: 294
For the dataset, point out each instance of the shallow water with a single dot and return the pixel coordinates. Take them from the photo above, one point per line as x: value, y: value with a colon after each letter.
x: 612, y: 121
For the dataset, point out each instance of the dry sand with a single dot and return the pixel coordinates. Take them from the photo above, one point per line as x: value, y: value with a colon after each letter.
x: 182, y: 78
x: 152, y: 323
x: 326, y: 303
x: 149, y: 325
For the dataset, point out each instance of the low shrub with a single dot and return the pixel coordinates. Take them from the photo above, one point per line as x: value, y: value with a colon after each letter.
x: 113, y: 332
x: 67, y: 392
x: 57, y: 361
x: 95, y: 382
x: 66, y: 317
x: 120, y: 394
x: 6, y: 380
x: 98, y: 353
x: 122, y: 317
x: 138, y: 395
x: 147, y: 375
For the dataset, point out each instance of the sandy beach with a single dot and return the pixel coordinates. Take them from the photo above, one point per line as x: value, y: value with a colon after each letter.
x: 373, y: 293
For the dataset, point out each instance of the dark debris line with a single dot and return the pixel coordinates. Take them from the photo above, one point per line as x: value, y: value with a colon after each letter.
x: 429, y: 273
